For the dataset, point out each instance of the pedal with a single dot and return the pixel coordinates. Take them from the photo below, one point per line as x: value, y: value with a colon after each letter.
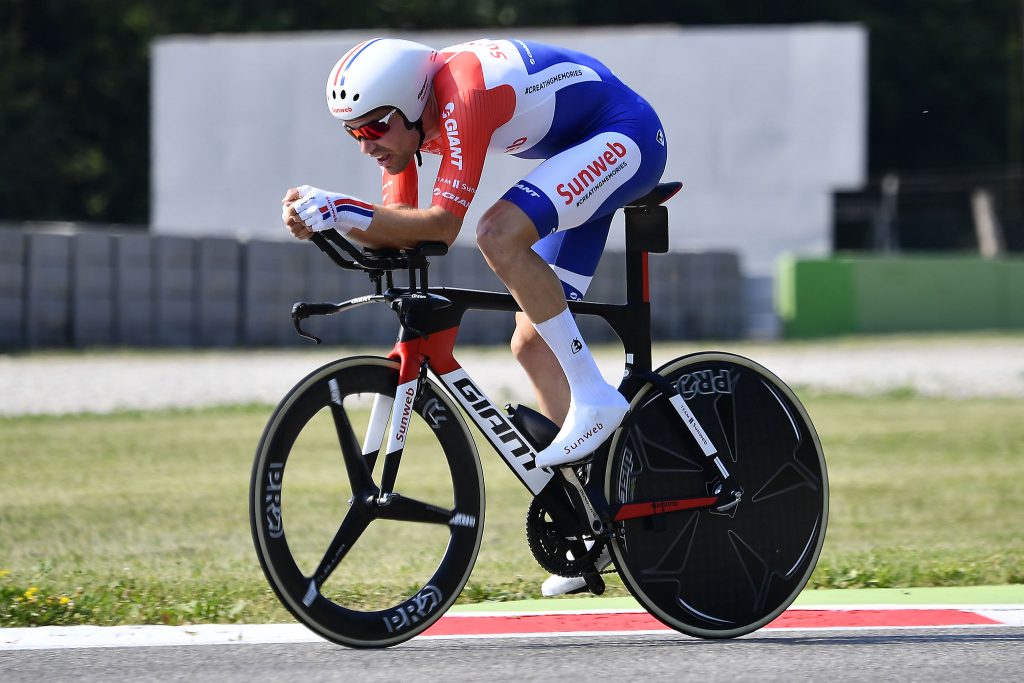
x: 595, y: 584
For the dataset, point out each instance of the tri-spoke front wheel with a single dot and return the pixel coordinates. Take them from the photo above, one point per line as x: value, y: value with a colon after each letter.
x: 359, y: 566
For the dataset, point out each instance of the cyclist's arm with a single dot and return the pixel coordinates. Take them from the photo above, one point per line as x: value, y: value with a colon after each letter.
x: 401, y: 189
x: 470, y: 113
x: 397, y: 222
x: 400, y: 225
x: 394, y: 226
x: 403, y: 226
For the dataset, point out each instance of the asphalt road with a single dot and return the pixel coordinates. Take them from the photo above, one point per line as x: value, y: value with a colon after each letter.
x: 960, y: 654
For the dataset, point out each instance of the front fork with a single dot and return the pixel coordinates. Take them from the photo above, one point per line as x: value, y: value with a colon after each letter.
x: 399, y: 416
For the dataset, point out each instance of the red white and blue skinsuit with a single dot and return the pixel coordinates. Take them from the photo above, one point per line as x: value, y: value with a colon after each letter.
x: 602, y: 144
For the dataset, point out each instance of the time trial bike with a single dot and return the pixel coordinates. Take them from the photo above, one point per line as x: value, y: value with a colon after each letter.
x: 712, y: 495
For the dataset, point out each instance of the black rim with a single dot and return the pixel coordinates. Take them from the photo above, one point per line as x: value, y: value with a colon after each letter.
x: 720, y: 574
x: 308, y: 520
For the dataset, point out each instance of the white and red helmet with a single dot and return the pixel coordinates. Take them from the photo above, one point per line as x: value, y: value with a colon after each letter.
x: 382, y: 72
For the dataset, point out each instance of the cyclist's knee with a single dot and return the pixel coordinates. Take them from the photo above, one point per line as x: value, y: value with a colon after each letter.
x: 503, y: 231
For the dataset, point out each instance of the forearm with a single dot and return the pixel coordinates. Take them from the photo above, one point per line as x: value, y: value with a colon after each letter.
x: 401, y: 227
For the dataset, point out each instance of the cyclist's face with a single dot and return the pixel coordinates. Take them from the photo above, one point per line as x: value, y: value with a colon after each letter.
x: 396, y: 144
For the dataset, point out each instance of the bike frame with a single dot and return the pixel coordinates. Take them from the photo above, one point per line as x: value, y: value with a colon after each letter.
x: 430, y: 318
x: 427, y: 340
x: 746, y: 566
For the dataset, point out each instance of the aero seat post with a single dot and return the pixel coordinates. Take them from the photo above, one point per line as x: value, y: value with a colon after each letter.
x: 636, y: 261
x: 646, y: 231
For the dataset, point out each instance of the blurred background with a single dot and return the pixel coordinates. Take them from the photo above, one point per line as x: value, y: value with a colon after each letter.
x: 853, y: 175
x: 849, y: 165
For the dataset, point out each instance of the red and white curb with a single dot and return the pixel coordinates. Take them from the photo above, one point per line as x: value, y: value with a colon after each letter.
x: 589, y: 622
x: 457, y: 625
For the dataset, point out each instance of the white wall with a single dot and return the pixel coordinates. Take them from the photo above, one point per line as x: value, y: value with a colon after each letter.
x: 763, y: 124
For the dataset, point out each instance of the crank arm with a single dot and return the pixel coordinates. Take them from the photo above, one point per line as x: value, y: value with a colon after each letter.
x: 651, y: 508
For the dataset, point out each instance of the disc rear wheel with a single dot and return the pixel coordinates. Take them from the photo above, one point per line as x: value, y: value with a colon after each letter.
x: 719, y: 574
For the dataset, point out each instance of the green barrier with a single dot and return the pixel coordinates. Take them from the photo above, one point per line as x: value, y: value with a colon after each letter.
x: 1012, y: 290
x: 822, y: 297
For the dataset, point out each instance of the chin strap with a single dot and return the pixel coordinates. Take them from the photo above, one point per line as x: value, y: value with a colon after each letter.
x: 419, y: 127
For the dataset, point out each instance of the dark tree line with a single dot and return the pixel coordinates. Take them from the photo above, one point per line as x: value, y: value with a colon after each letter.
x: 945, y: 77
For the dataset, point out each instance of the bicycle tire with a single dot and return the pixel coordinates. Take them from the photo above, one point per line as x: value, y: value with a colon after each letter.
x: 295, y: 500
x: 711, y: 574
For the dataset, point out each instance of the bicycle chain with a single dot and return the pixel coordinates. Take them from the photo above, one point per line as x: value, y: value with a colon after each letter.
x: 552, y: 550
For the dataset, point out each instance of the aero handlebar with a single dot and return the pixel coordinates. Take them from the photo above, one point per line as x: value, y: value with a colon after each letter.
x: 369, y: 260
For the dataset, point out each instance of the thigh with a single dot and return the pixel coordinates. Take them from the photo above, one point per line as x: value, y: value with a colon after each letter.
x: 592, y: 179
x: 574, y: 254
x: 572, y: 196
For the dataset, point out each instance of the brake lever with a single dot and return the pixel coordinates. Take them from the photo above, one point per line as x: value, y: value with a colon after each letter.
x: 303, y: 333
x: 300, y: 312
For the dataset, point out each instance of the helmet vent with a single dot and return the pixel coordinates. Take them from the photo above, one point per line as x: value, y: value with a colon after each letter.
x: 342, y: 95
x: 355, y: 98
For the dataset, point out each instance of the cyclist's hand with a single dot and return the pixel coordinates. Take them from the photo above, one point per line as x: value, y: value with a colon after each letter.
x: 291, y: 219
x: 322, y: 210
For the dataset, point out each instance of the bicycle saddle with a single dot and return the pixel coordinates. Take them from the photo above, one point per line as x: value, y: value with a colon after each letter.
x: 661, y: 193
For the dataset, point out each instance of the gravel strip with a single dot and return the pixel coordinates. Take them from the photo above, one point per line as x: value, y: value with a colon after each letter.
x: 61, y: 383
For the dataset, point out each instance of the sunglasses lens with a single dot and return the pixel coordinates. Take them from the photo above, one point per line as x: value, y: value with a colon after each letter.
x: 371, y: 131
x: 374, y: 131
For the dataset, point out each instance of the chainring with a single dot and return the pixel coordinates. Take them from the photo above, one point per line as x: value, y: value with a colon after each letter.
x: 553, y: 551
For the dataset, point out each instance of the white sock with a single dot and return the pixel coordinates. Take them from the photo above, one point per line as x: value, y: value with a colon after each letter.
x: 586, y: 384
x: 595, y: 407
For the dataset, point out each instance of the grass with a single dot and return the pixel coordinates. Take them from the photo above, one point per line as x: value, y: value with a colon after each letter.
x: 925, y: 492
x: 143, y: 518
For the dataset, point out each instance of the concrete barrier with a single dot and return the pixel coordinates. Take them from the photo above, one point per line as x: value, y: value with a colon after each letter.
x: 174, y: 290
x: 696, y: 296
x: 101, y: 289
x: 92, y: 290
x: 468, y: 268
x: 712, y: 296
x: 48, y: 290
x: 12, y: 289
x: 328, y: 283
x: 276, y: 275
x: 218, y: 292
x: 134, y: 297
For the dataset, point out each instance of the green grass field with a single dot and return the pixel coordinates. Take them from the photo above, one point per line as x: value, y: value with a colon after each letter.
x: 143, y: 517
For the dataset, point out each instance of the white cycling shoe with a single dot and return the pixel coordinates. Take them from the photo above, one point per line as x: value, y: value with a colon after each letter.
x: 585, y: 428
x: 563, y: 585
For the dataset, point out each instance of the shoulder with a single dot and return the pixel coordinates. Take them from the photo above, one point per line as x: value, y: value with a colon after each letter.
x: 462, y: 69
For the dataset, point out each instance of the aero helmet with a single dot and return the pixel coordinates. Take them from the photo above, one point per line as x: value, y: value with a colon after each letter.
x: 382, y: 72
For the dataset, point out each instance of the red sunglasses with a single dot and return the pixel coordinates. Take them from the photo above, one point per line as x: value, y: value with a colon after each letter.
x: 374, y: 130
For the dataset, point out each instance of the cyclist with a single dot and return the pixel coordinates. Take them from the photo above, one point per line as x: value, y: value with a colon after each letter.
x: 601, y: 144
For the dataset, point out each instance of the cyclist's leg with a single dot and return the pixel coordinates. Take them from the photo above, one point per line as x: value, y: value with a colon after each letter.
x: 595, y: 407
x: 573, y: 255
x: 505, y: 236
x: 568, y: 191
x: 545, y: 374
